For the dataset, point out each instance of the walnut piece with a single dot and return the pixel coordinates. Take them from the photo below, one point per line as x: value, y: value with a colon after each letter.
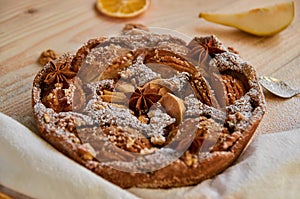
x: 132, y: 26
x: 87, y: 151
x: 189, y: 159
x: 46, y: 56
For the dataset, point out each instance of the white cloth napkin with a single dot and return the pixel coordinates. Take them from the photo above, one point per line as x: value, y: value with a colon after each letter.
x: 270, y: 168
x: 33, y: 167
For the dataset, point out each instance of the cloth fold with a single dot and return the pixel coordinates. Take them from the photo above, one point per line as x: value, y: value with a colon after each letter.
x: 33, y: 167
x: 269, y: 168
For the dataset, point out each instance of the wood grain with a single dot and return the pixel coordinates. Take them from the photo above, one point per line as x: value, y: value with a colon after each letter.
x: 29, y: 27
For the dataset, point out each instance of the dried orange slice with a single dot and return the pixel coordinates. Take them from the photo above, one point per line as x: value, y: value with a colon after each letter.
x: 122, y: 8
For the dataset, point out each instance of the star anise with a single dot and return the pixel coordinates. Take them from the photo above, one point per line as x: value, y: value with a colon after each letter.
x: 143, y: 98
x: 202, y: 49
x: 59, y: 73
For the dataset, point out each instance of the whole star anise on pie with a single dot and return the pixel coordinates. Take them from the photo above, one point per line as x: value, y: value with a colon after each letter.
x: 59, y: 73
x: 143, y: 98
x: 201, y: 50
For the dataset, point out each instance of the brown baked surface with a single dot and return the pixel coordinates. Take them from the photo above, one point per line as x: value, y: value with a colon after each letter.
x: 147, y: 95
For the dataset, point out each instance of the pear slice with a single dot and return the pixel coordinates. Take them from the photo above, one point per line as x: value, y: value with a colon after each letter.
x: 264, y: 21
x: 162, y: 89
x: 174, y: 106
x: 168, y: 85
x: 125, y: 87
x: 109, y: 96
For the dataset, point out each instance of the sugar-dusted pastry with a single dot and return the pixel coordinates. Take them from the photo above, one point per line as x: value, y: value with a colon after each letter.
x: 149, y: 110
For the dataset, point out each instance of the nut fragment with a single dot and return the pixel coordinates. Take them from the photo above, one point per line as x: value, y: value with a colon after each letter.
x: 123, y: 138
x: 132, y: 26
x: 189, y: 159
x: 158, y: 140
x: 86, y: 151
x: 143, y: 119
x: 226, y: 141
x: 46, y: 118
x: 46, y: 56
x: 56, y: 99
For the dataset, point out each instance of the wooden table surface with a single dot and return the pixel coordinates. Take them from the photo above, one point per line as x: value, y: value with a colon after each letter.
x: 30, y: 26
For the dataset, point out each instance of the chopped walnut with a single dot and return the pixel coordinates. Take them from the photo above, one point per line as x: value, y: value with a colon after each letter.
x: 132, y: 26
x: 46, y: 118
x: 239, y: 116
x: 189, y: 159
x: 158, y: 139
x: 46, y: 56
x: 56, y: 99
x: 87, y: 151
x: 126, y: 138
x: 226, y: 141
x: 208, y: 130
x: 143, y: 119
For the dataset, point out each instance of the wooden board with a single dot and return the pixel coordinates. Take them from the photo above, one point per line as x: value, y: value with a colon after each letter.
x: 29, y: 27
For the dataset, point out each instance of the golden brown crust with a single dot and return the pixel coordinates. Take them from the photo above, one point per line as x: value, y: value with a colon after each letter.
x: 79, y: 114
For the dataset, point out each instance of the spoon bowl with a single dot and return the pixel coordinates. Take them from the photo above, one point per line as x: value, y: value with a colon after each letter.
x: 278, y: 87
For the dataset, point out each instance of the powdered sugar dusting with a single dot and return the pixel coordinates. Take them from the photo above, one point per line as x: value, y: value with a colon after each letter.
x: 152, y: 130
x: 106, y: 113
x: 138, y: 73
x: 158, y: 121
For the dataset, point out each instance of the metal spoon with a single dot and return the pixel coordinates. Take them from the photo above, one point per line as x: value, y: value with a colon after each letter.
x: 277, y: 87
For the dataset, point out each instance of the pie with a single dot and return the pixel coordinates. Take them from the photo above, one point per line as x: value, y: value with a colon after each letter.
x: 143, y: 109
